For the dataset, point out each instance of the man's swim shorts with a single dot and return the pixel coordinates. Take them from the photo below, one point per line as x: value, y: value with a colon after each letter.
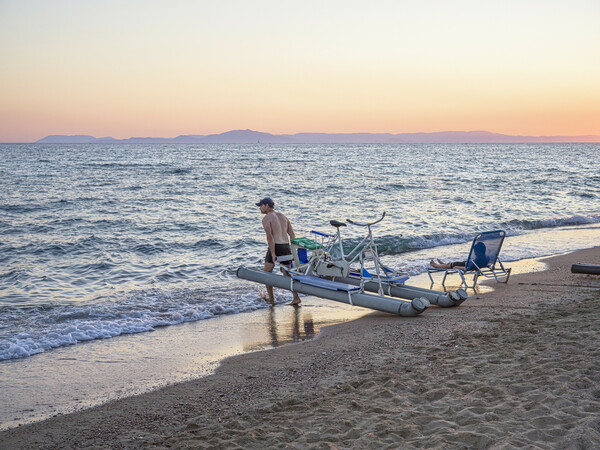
x: 280, y: 250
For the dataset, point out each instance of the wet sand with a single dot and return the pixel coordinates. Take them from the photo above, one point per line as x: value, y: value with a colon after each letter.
x: 516, y: 367
x: 74, y: 378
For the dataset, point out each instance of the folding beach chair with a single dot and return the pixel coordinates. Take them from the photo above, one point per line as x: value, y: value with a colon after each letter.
x: 483, y: 260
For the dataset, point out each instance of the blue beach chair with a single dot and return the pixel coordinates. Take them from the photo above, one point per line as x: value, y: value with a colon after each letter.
x: 483, y: 260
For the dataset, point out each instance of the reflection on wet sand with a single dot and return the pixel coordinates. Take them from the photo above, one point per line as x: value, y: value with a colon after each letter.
x: 286, y: 326
x: 71, y: 378
x: 272, y: 326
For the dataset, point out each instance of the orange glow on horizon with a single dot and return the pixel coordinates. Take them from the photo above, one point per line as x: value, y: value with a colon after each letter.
x: 102, y: 74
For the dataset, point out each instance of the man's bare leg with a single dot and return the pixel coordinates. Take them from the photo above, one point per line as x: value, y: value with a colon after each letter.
x: 269, y: 268
x: 440, y: 264
x: 296, y: 301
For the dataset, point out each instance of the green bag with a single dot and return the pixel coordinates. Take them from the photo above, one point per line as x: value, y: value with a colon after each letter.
x: 306, y: 243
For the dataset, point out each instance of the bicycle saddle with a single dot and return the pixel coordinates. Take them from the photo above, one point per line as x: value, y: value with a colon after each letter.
x: 337, y: 224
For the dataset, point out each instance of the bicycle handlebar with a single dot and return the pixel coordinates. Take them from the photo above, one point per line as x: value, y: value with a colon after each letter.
x: 360, y: 224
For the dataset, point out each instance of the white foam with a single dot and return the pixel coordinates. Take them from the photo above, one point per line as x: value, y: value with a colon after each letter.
x: 26, y: 333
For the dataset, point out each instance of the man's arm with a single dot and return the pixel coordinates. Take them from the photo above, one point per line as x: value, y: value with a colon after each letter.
x: 290, y: 230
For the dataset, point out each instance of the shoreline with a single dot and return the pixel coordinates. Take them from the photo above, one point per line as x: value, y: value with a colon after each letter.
x: 72, y: 379
x: 75, y: 378
x: 382, y: 380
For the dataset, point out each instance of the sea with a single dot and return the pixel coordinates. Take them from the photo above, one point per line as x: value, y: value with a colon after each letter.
x: 104, y: 242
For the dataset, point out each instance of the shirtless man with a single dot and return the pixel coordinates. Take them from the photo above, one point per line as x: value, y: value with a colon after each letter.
x: 278, y: 228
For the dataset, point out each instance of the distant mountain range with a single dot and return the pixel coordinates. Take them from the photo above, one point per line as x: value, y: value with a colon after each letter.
x: 253, y: 137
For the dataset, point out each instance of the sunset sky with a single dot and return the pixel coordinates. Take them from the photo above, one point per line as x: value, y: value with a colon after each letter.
x: 157, y: 68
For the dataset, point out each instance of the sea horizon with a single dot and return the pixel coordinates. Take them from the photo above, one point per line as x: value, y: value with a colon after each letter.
x: 248, y: 136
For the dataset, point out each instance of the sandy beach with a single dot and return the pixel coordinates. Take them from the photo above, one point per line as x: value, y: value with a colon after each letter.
x: 516, y: 367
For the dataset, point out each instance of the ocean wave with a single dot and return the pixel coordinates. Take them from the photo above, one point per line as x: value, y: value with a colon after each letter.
x: 583, y: 194
x: 551, y: 222
x: 22, y: 208
x: 178, y: 171
x: 150, y: 248
x: 50, y: 249
x: 115, y: 165
x: 209, y: 243
x: 76, y: 246
x: 394, y: 187
x: 394, y: 245
x: 12, y: 276
x: 26, y: 332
